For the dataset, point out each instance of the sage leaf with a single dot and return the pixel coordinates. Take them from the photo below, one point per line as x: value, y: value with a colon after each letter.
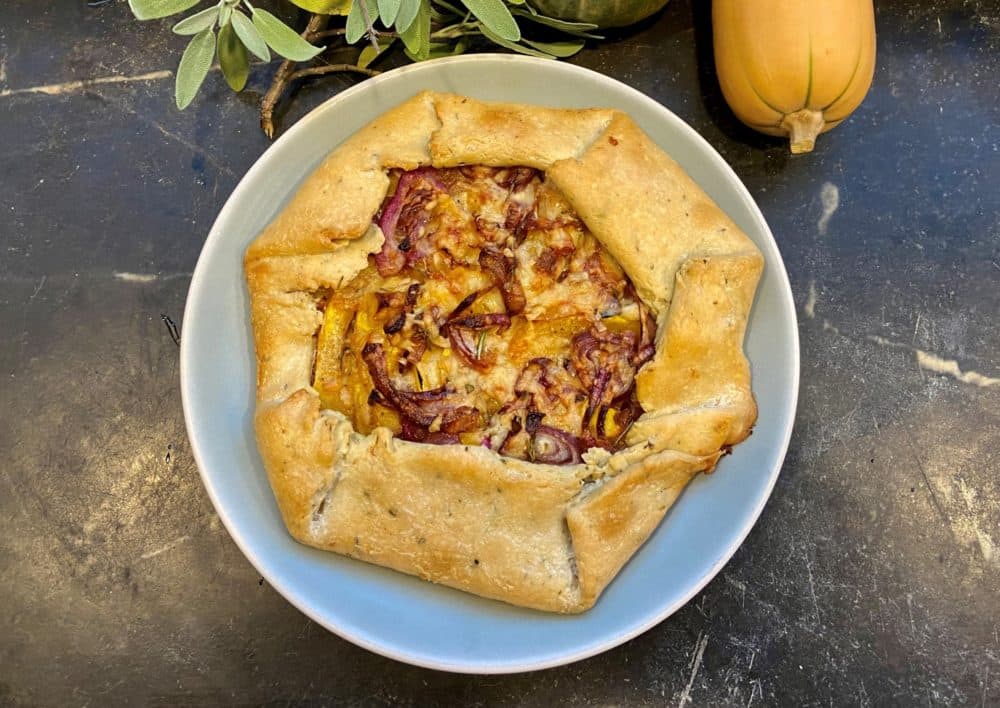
x: 580, y: 29
x: 387, y: 10
x: 408, y: 11
x: 558, y: 49
x: 194, y: 66
x: 443, y: 49
x: 356, y: 26
x: 451, y: 8
x: 417, y: 37
x: 495, y: 15
x: 513, y: 46
x: 155, y: 9
x: 225, y: 15
x: 197, y: 22
x: 233, y: 58
x: 325, y: 7
x: 250, y: 36
x: 370, y: 54
x: 282, y: 38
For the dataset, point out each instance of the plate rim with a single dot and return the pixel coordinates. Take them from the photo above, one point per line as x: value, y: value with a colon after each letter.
x: 200, y: 283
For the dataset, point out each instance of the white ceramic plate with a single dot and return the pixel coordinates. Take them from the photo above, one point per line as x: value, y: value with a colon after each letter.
x: 397, y: 615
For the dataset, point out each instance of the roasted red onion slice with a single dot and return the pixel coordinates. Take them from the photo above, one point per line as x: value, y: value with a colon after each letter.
x: 461, y: 332
x: 481, y: 321
x: 601, y: 379
x: 501, y: 269
x: 598, y: 353
x: 463, y: 306
x: 533, y: 421
x: 647, y: 334
x: 391, y: 259
x: 416, y: 433
x: 602, y: 419
x: 553, y: 446
x: 440, y: 438
x: 463, y: 341
x: 422, y: 407
x: 516, y: 178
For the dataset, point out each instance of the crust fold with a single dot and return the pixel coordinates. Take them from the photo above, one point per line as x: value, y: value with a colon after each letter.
x: 539, y: 536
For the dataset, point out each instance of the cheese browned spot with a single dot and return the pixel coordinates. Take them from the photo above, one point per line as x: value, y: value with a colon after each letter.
x: 491, y: 316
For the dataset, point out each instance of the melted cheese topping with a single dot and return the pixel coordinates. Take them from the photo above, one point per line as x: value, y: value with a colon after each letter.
x: 490, y: 297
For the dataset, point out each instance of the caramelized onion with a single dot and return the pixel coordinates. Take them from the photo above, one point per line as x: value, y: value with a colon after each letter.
x: 516, y: 178
x: 501, y: 269
x: 422, y: 407
x: 463, y: 306
x: 601, y: 379
x: 459, y: 332
x: 647, y: 334
x: 598, y: 353
x: 412, y: 293
x: 396, y: 324
x: 553, y: 446
x: 440, y: 438
x: 391, y: 259
x: 481, y: 321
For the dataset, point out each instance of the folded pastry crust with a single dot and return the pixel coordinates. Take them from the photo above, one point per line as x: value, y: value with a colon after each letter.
x: 541, y: 536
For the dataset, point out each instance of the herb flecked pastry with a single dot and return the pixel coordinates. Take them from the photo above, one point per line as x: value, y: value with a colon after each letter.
x: 494, y: 343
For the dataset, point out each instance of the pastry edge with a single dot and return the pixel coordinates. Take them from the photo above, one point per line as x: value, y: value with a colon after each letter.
x: 597, y: 514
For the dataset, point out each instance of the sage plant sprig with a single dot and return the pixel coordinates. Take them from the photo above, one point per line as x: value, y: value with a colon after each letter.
x: 233, y: 30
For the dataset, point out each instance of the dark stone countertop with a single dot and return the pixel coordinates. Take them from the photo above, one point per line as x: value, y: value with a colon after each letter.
x: 872, y: 576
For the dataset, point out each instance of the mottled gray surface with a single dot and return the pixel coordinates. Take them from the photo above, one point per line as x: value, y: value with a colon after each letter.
x: 872, y: 575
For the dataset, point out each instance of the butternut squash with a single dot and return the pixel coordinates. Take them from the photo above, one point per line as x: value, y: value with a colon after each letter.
x: 794, y: 68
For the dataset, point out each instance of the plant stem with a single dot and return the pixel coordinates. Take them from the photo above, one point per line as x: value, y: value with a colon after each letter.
x: 332, y: 69
x: 285, y: 73
x: 372, y: 34
x: 340, y: 32
x: 802, y: 128
x: 456, y: 31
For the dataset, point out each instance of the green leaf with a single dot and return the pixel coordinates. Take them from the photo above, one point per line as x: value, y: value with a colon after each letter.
x: 558, y: 49
x: 495, y: 15
x: 369, y: 53
x: 194, y: 66
x: 443, y: 49
x: 408, y: 11
x: 581, y: 29
x: 250, y: 36
x: 155, y: 9
x: 513, y: 46
x: 451, y: 8
x: 197, y: 22
x: 356, y: 26
x: 282, y: 38
x: 387, y: 10
x: 417, y: 36
x: 225, y: 15
x: 233, y: 58
x: 325, y: 7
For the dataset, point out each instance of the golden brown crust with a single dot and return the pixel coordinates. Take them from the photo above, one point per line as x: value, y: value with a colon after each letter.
x: 650, y: 225
x: 608, y: 525
x: 535, y: 535
x: 509, y: 134
x: 337, y: 201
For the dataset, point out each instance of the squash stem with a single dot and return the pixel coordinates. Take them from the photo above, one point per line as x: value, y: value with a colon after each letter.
x: 802, y: 128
